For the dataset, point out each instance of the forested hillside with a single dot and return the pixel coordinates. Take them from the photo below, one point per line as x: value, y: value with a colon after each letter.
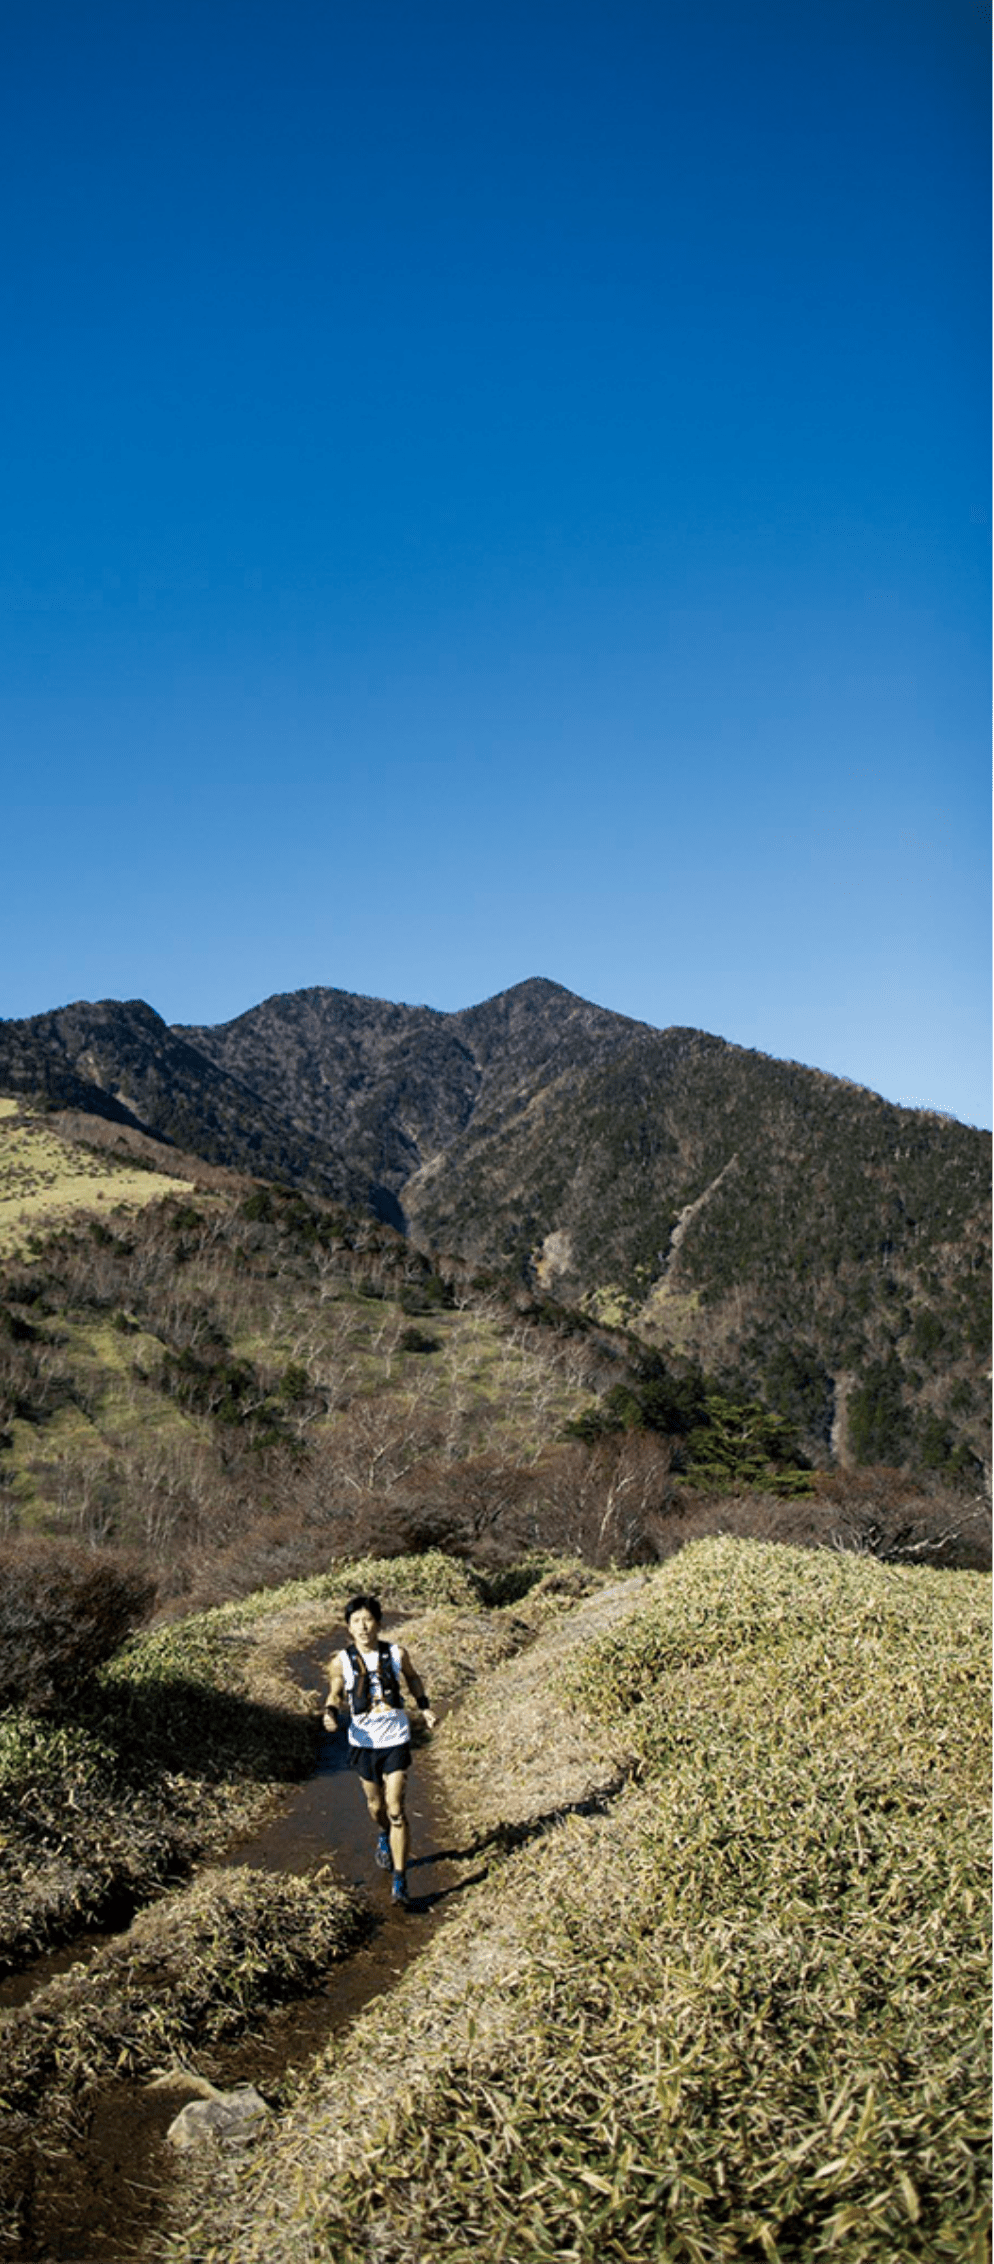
x: 798, y: 1238
x: 237, y: 1381
x: 394, y: 1086
x: 120, y: 1061
x: 797, y: 1235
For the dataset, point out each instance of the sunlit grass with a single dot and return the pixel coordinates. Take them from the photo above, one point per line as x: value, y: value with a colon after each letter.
x: 43, y: 1181
x: 746, y: 2004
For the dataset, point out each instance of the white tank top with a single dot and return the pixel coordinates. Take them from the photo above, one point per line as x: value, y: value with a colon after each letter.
x: 383, y: 1725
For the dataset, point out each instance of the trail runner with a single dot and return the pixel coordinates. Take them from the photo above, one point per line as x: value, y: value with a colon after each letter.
x: 366, y: 1677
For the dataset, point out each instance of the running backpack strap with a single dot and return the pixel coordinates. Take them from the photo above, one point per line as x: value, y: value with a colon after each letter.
x: 359, y: 1693
x: 389, y: 1683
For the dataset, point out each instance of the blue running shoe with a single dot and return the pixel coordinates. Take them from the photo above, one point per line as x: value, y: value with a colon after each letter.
x: 398, y: 1892
x: 383, y: 1855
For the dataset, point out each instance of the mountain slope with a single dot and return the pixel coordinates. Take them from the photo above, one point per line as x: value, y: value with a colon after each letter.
x: 797, y: 1235
x: 790, y: 1230
x: 119, y: 1060
x: 392, y: 1087
x: 345, y: 1094
x: 684, y: 1143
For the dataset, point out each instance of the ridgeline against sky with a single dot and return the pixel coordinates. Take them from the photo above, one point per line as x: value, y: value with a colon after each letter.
x: 797, y: 1236
x: 499, y: 489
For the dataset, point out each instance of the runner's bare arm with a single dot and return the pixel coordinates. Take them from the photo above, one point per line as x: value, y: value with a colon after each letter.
x: 416, y: 1688
x: 336, y: 1695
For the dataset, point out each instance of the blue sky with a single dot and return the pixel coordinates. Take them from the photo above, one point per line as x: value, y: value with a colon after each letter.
x: 503, y: 490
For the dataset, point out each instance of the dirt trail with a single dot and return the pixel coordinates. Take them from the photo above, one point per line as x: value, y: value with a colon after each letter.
x: 536, y: 1795
x: 100, y: 2200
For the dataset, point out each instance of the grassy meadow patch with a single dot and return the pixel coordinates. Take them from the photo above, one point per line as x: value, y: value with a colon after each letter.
x: 741, y: 2013
x: 45, y: 1180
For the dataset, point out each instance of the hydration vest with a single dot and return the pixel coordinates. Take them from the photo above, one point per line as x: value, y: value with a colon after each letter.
x: 360, y: 1696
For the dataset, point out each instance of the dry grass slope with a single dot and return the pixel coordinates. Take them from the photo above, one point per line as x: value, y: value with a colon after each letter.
x: 724, y: 2007
x: 171, y: 1381
x: 45, y: 1181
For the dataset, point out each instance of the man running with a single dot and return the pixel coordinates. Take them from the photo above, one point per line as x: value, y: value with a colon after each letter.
x: 366, y: 1677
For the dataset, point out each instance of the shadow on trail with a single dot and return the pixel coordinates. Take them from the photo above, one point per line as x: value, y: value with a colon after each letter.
x: 175, y: 1724
x: 432, y: 1897
x: 504, y: 1838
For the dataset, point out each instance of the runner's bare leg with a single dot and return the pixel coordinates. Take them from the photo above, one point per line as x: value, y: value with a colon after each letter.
x: 400, y: 1838
x: 375, y: 1803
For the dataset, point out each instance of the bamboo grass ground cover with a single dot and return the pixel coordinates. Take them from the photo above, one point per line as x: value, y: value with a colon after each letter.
x: 163, y: 1758
x: 746, y: 2017
x: 189, y: 1973
x: 428, y: 1578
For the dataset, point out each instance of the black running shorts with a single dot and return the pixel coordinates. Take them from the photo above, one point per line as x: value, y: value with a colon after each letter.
x: 374, y: 1762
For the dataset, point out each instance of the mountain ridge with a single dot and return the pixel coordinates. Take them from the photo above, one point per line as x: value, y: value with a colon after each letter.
x: 118, y: 1059
x: 397, y: 1111
x: 793, y: 1232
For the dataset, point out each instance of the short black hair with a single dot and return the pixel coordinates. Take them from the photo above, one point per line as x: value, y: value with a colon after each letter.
x: 363, y: 1603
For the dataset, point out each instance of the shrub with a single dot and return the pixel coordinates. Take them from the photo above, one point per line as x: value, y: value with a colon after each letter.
x: 935, y: 1446
x: 603, y: 1502
x: 63, y: 1612
x: 740, y: 1443
x: 429, y: 1295
x: 258, y: 1207
x: 725, y: 1442
x: 295, y: 1383
x: 415, y: 1340
x: 927, y: 1334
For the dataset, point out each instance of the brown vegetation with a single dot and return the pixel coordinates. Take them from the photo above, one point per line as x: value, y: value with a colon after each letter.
x: 810, y: 1245
x: 230, y: 1391
x: 63, y: 1612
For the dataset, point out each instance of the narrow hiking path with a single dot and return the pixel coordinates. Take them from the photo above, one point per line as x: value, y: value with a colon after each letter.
x: 521, y: 1779
x: 501, y: 1767
x: 99, y: 2200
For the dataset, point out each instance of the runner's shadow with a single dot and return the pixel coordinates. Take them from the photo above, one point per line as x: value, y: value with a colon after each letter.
x: 435, y: 1895
x: 504, y: 1838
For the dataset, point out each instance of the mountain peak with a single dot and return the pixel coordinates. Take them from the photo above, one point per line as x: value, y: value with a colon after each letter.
x: 784, y: 1228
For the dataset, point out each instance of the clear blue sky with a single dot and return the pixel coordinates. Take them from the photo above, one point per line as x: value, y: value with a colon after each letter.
x: 503, y: 489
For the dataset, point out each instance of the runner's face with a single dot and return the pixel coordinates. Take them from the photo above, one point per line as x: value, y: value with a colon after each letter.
x: 363, y: 1629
